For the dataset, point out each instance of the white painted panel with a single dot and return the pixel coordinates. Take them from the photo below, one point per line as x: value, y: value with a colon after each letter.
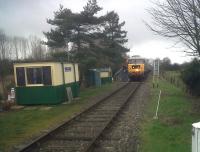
x: 69, y: 73
x: 57, y: 74
x: 196, y: 137
x: 104, y: 74
x: 77, y: 72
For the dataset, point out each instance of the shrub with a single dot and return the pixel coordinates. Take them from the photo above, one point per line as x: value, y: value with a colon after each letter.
x: 1, y: 97
x: 10, y: 85
x: 6, y: 105
x: 191, y: 77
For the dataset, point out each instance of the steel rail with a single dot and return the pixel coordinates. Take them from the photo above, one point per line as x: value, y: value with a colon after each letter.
x: 46, y: 135
x: 91, y: 146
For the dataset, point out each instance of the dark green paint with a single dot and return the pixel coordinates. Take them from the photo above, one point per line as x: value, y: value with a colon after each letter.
x: 93, y: 78
x: 106, y: 80
x: 45, y: 94
x: 75, y: 88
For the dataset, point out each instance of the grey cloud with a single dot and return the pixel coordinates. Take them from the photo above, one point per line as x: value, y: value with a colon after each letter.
x: 25, y: 17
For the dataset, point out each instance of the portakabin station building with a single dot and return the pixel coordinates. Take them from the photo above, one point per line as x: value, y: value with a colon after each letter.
x: 45, y: 82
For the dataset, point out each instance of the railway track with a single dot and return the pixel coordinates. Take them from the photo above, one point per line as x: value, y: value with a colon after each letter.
x: 80, y: 133
x: 122, y: 134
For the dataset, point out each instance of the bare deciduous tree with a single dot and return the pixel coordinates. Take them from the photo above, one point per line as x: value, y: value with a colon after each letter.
x: 5, y: 51
x: 21, y: 47
x: 9, y: 48
x: 6, y: 46
x: 3, y: 45
x: 178, y: 19
x: 37, y: 49
x: 16, y: 47
x: 24, y: 47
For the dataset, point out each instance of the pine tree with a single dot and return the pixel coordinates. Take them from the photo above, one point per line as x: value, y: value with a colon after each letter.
x: 97, y: 40
x: 114, y: 38
x: 113, y: 29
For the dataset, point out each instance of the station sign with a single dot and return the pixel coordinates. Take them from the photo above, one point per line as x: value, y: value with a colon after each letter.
x: 68, y: 69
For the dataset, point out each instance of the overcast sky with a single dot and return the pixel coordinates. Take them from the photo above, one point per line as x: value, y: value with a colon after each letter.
x: 28, y: 17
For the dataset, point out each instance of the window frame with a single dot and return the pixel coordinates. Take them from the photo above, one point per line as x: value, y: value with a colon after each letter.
x: 42, y: 84
x: 32, y: 67
x: 16, y: 76
x: 51, y: 72
x: 26, y: 79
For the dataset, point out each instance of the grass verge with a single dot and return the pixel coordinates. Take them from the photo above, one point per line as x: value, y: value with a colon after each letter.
x: 22, y: 125
x: 171, y: 132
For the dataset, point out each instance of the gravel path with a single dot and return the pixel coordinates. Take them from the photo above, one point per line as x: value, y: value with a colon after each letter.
x: 78, y: 134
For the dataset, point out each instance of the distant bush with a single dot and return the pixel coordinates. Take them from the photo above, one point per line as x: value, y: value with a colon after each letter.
x: 191, y: 77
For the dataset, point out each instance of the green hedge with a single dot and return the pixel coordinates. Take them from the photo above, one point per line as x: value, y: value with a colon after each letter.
x: 191, y: 77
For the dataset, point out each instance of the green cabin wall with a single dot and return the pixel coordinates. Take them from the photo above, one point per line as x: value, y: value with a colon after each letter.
x: 106, y: 80
x: 75, y: 89
x: 45, y: 94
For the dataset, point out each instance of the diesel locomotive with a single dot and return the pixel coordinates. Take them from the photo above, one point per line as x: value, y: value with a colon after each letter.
x: 137, y: 68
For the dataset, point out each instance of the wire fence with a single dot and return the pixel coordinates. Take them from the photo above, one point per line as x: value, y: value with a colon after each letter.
x: 174, y: 77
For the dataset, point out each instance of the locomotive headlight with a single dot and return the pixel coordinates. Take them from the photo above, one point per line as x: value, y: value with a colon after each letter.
x: 137, y: 70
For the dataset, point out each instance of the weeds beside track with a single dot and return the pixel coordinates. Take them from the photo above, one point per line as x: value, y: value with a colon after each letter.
x: 80, y: 132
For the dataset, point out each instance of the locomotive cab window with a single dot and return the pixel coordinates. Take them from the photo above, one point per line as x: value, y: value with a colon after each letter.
x: 135, y: 66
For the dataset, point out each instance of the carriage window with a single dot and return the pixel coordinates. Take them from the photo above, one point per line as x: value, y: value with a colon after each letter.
x: 39, y: 75
x: 20, y: 73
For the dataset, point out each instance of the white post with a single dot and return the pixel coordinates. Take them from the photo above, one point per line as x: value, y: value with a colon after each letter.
x: 156, y: 115
x: 196, y: 137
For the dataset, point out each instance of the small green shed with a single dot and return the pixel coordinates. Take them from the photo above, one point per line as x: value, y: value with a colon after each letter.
x: 93, y: 78
x: 98, y: 77
x: 45, y: 82
x: 106, y: 75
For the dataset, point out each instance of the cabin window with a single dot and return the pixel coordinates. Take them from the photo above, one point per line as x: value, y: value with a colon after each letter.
x: 47, y: 75
x: 39, y: 75
x: 34, y: 75
x: 20, y: 74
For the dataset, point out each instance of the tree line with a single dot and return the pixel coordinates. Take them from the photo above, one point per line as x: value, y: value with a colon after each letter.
x: 20, y: 48
x: 97, y: 40
x: 180, y: 20
x: 85, y: 37
x: 15, y: 49
x: 189, y: 73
